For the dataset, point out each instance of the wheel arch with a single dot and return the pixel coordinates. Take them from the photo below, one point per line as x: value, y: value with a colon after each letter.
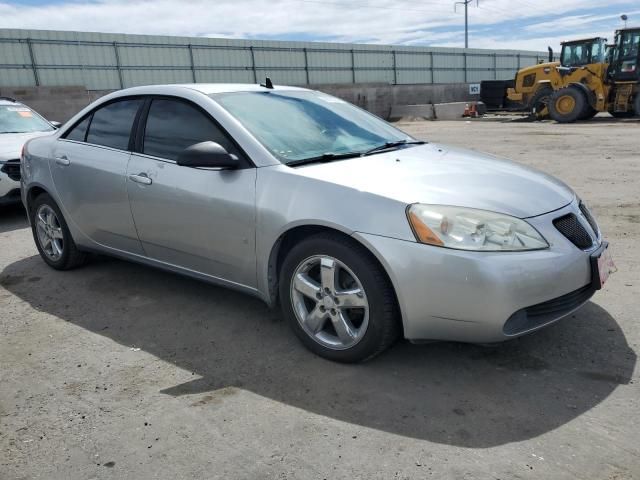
x: 300, y: 232
x: 589, y: 94
x: 32, y: 193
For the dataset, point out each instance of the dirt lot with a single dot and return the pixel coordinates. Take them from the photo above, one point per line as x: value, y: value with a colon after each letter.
x: 120, y: 371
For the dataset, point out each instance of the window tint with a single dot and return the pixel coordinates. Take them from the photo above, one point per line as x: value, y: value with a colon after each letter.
x: 111, y: 125
x: 78, y: 132
x: 173, y: 126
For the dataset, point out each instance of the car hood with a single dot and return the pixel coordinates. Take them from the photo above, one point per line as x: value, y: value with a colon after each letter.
x: 440, y: 175
x: 11, y: 143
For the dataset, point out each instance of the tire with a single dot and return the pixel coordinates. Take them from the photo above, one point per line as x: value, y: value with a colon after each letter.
x: 567, y: 105
x: 539, y: 103
x: 61, y: 252
x: 589, y: 113
x: 373, y: 328
x: 636, y: 104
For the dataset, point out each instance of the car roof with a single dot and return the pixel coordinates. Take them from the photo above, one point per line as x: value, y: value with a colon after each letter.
x: 207, y: 88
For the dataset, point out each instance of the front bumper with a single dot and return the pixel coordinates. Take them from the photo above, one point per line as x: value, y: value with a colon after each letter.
x: 447, y: 294
x: 9, y: 188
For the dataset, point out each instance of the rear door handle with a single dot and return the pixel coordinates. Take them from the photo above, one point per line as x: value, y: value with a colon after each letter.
x: 141, y: 178
x: 62, y: 160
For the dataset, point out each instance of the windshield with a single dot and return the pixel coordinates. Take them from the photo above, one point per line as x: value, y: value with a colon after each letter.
x: 20, y: 119
x: 298, y: 125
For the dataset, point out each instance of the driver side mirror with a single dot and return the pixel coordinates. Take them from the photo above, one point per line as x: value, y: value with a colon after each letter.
x: 55, y: 124
x: 207, y: 154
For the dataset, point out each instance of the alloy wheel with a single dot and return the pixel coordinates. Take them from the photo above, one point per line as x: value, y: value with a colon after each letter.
x: 329, y: 302
x: 49, y: 232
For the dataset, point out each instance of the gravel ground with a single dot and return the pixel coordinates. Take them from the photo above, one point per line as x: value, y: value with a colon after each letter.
x: 121, y: 371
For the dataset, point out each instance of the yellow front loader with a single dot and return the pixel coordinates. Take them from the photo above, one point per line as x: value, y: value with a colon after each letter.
x: 534, y: 85
x: 612, y: 86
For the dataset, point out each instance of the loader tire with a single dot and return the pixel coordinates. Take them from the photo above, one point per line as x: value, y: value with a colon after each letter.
x: 538, y: 106
x: 567, y: 105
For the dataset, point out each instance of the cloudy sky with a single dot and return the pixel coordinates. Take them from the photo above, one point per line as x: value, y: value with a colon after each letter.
x: 521, y: 24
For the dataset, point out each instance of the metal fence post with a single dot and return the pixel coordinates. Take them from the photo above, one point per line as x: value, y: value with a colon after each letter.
x: 115, y: 49
x: 395, y: 68
x: 34, y: 66
x: 495, y: 66
x: 464, y: 56
x: 431, y: 66
x: 306, y: 65
x: 193, y: 67
x: 253, y: 65
x: 353, y: 67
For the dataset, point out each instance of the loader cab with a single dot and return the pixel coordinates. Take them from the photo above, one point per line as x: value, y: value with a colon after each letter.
x: 578, y: 53
x: 624, y: 63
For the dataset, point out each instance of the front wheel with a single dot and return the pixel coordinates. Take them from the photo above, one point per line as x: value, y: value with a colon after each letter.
x: 567, y: 105
x: 589, y: 113
x: 52, y: 236
x: 337, y: 299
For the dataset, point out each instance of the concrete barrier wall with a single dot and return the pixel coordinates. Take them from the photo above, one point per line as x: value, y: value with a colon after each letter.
x: 61, y: 103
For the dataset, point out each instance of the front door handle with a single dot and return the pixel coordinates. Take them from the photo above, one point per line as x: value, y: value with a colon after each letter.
x: 63, y: 160
x: 141, y: 178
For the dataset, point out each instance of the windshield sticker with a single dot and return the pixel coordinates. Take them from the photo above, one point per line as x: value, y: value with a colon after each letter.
x: 25, y: 113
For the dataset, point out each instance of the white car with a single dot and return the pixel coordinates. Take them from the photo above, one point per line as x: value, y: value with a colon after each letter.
x: 18, y: 123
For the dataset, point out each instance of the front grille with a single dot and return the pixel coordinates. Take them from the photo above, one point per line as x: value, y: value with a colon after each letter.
x: 570, y: 227
x: 587, y: 214
x: 12, y: 169
x: 546, y: 312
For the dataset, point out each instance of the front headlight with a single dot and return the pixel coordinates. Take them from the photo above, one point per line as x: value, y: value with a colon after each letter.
x: 471, y: 229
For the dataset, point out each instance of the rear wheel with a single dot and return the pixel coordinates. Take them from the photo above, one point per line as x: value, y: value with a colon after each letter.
x: 539, y: 103
x: 567, y: 105
x: 52, y: 236
x: 337, y: 299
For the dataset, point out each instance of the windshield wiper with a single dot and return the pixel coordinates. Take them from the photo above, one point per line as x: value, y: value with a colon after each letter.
x: 387, y: 145
x: 324, y: 158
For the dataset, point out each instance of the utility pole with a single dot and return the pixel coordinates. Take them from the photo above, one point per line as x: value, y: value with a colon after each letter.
x: 466, y: 18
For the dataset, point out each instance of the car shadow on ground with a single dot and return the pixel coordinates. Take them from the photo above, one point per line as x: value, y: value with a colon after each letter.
x: 450, y: 393
x: 12, y: 217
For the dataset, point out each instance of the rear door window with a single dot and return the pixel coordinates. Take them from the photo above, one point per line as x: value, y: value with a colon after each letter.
x: 173, y: 125
x: 111, y: 125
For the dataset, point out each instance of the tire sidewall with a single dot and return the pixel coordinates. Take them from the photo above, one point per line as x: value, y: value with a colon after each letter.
x: 45, y: 199
x: 538, y: 96
x: 578, y: 96
x: 356, y: 260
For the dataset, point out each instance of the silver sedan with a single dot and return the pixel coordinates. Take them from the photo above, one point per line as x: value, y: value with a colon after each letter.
x: 361, y: 233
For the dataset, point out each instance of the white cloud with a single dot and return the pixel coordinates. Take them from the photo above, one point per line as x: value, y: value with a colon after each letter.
x: 429, y: 22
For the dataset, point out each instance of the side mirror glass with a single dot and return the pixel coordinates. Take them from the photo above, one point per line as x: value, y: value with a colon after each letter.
x: 207, y: 154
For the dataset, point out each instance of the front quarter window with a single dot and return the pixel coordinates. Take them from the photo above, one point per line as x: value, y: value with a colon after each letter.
x: 21, y: 119
x: 295, y: 125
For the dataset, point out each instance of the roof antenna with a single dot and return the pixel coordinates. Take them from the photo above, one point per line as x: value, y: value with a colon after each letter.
x: 267, y: 83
